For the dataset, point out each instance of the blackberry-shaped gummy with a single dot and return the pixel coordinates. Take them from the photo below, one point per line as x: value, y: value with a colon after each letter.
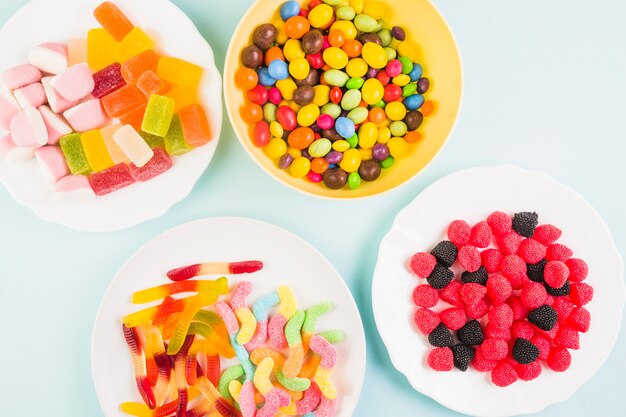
x: 441, y: 336
x: 524, y: 223
x: 479, y: 276
x: 535, y: 271
x: 445, y: 252
x: 462, y: 355
x: 544, y: 317
x: 471, y: 334
x: 558, y: 292
x: 524, y: 351
x: 440, y: 277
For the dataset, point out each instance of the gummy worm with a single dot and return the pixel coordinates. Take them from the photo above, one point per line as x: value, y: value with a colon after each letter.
x: 328, y: 354
x: 245, y: 316
x: 210, y: 392
x: 163, y: 363
x: 159, y: 321
x: 213, y: 320
x: 333, y: 336
x: 231, y: 374
x: 257, y: 355
x: 278, y: 321
x: 326, y: 408
x: 139, y: 365
x: 312, y: 314
x: 180, y: 376
x: 273, y: 401
x: 197, y: 302
x: 309, y: 368
x: 162, y: 291
x: 274, y: 397
x: 293, y: 384
x: 190, y: 271
x: 142, y: 410
x: 293, y: 364
x: 217, y: 344
x: 234, y: 389
x: 311, y: 400
x: 213, y: 368
x: 201, y: 409
x: 261, y: 311
x: 155, y: 313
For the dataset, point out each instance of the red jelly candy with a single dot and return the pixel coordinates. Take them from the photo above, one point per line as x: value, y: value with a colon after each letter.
x: 426, y: 320
x: 494, y: 349
x: 481, y: 235
x: 531, y: 251
x: 510, y: 243
x: 452, y: 294
x: 558, y: 252
x: 459, y: 232
x: 503, y: 374
x: 501, y: 316
x: 544, y: 346
x: 472, y: 293
x: 481, y: 364
x: 581, y: 293
x: 454, y: 318
x: 500, y: 223
x: 555, y: 273
x: 495, y: 332
x: 111, y: 179
x: 514, y: 269
x: 441, y: 359
x: 563, y: 307
x: 491, y: 259
x: 529, y: 371
x: 478, y: 310
x: 579, y: 319
x: 157, y: 165
x: 559, y: 359
x: 520, y: 311
x: 425, y: 296
x: 422, y: 264
x: 499, y: 288
x: 107, y: 80
x: 578, y: 269
x: 523, y: 329
x: 567, y: 337
x: 547, y: 234
x: 469, y: 258
x: 533, y: 294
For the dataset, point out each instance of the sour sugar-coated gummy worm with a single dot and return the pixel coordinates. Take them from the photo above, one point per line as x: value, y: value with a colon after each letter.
x: 328, y: 354
x: 293, y: 364
x: 261, y: 312
x: 139, y: 365
x: 312, y: 314
x: 190, y: 271
x: 238, y: 303
x: 326, y: 408
x: 278, y: 321
x: 230, y: 374
x: 274, y: 398
x: 310, y: 401
x: 162, y: 291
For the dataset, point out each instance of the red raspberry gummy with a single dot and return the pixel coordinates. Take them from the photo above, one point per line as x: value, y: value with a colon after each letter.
x: 425, y: 296
x: 528, y: 372
x: 422, y: 264
x: 558, y: 252
x: 501, y: 316
x: 441, y: 359
x: 578, y: 269
x: 531, y: 251
x: 500, y: 223
x: 563, y: 307
x: 544, y: 346
x: 503, y: 374
x: 547, y: 234
x: 499, y: 288
x: 459, y: 232
x: 581, y: 293
x: 452, y: 294
x: 472, y: 293
x: 481, y: 235
x: 481, y: 364
x: 555, y: 274
x: 426, y: 320
x: 567, y: 337
x: 520, y: 311
x: 476, y: 311
x: 454, y: 318
x: 469, y: 258
x: 491, y: 259
x: 559, y: 359
x: 533, y: 294
x: 495, y: 332
x: 514, y: 269
x: 523, y: 329
x: 580, y: 319
x: 494, y: 349
x: 510, y: 243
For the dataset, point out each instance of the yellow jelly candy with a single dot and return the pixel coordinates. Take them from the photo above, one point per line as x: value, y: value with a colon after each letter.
x: 96, y: 151
x: 368, y: 134
x: 395, y: 110
x: 410, y: 50
x: 276, y: 148
x: 133, y: 44
x: 321, y: 15
x: 286, y: 88
x: 335, y: 57
x: 300, y: 167
x: 357, y: 68
x: 384, y: 134
x: 183, y: 96
x: 397, y: 147
x: 308, y: 115
x: 374, y: 55
x: 322, y: 95
x: 373, y: 91
x: 293, y: 50
x: 347, y: 27
x: 179, y: 72
x: 351, y: 160
x: 299, y: 68
x: 100, y: 49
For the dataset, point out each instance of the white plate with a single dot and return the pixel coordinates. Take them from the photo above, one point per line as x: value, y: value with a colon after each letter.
x: 288, y: 260
x: 472, y: 195
x: 174, y: 34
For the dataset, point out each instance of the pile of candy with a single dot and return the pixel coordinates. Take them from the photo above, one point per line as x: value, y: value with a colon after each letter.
x: 178, y: 347
x: 518, y: 302
x: 334, y: 95
x: 94, y: 133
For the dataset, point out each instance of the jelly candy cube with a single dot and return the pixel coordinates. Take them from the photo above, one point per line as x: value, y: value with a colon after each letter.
x: 75, y: 154
x: 123, y: 100
x: 159, y: 163
x: 133, y: 44
x: 175, y: 140
x: 76, y: 51
x: 179, y: 72
x: 100, y: 49
x: 183, y: 96
x: 158, y: 116
x: 116, y: 153
x: 96, y: 151
x: 134, y: 68
x: 150, y: 83
x: 113, y: 20
x: 112, y: 179
x: 108, y: 80
x: 134, y: 117
x: 196, y: 128
x: 133, y: 145
x: 153, y: 141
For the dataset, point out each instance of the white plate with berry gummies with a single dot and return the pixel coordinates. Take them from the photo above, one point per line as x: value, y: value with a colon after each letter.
x: 174, y: 35
x: 469, y: 195
x: 287, y: 260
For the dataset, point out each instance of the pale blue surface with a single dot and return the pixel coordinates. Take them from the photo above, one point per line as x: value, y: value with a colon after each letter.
x: 545, y: 89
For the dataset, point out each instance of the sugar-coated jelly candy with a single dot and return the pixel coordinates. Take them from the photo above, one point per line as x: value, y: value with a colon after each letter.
x: 76, y: 51
x: 96, y: 151
x: 153, y: 141
x: 179, y: 72
x: 74, y: 154
x: 159, y: 163
x: 175, y: 139
x: 133, y: 44
x: 149, y: 83
x: 134, y: 67
x: 123, y: 100
x: 158, y: 115
x: 108, y: 80
x: 113, y: 20
x: 100, y: 48
x: 133, y: 145
x: 195, y: 124
x: 116, y: 153
x: 112, y: 179
x: 134, y: 117
x: 183, y: 96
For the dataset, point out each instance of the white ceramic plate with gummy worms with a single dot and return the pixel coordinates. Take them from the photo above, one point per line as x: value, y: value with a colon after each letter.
x: 174, y: 34
x: 288, y: 260
x: 472, y: 195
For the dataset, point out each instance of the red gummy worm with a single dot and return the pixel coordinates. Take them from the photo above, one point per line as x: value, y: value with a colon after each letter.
x: 191, y: 369
x: 213, y: 368
x: 136, y: 351
x: 186, y: 272
x: 225, y: 409
x: 245, y: 267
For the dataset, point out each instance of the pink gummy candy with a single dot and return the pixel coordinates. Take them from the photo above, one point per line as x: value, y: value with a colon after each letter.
x: 157, y: 165
x: 108, y: 80
x: 111, y: 179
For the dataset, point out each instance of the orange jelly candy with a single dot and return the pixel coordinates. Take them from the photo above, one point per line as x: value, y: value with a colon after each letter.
x: 134, y: 68
x: 123, y: 100
x: 134, y: 117
x: 149, y: 83
x: 113, y: 20
x: 196, y: 128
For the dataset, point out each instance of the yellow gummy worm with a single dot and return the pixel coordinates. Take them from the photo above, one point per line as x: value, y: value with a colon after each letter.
x: 322, y: 378
x: 293, y: 364
x: 207, y: 388
x: 309, y: 368
x: 221, y: 346
x: 136, y: 409
x: 234, y: 387
x: 162, y: 291
x: 262, y: 376
x: 290, y: 410
x: 248, y: 325
x: 257, y: 355
x: 287, y: 302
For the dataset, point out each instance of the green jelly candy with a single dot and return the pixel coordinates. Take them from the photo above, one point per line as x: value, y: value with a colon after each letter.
x: 345, y: 13
x: 391, y: 53
x: 313, y: 313
x: 365, y: 23
x: 269, y: 112
x: 158, y: 115
x: 74, y: 154
x: 409, y: 90
x: 293, y: 384
x: 336, y: 77
x: 358, y: 115
x: 175, y: 140
x: 353, y: 141
x: 320, y: 148
x: 407, y: 64
x: 332, y: 109
x: 355, y: 83
x: 153, y: 141
x: 229, y: 374
x: 293, y: 328
x: 387, y: 162
x: 385, y: 36
x: 354, y: 180
x: 398, y: 128
x: 351, y: 99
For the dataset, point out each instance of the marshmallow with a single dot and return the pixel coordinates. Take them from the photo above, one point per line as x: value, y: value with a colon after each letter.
x: 49, y: 57
x: 74, y: 83
x: 14, y: 154
x: 74, y: 190
x: 20, y: 76
x: 86, y: 116
x: 32, y: 95
x: 55, y: 124
x: 57, y: 103
x: 52, y: 163
x: 28, y: 129
x: 77, y: 51
x: 133, y: 145
x: 8, y: 108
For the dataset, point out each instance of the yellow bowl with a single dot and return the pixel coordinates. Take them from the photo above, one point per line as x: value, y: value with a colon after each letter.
x: 442, y: 65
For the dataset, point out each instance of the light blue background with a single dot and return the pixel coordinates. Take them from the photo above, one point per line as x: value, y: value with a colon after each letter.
x: 545, y: 88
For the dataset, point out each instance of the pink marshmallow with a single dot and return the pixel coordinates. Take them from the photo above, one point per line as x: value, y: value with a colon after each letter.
x: 56, y: 125
x: 14, y: 154
x: 52, y: 163
x: 20, y: 76
x: 57, y: 103
x: 32, y: 95
x: 49, y: 57
x: 28, y: 129
x: 74, y: 83
x: 8, y: 108
x: 86, y: 116
x: 74, y: 190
